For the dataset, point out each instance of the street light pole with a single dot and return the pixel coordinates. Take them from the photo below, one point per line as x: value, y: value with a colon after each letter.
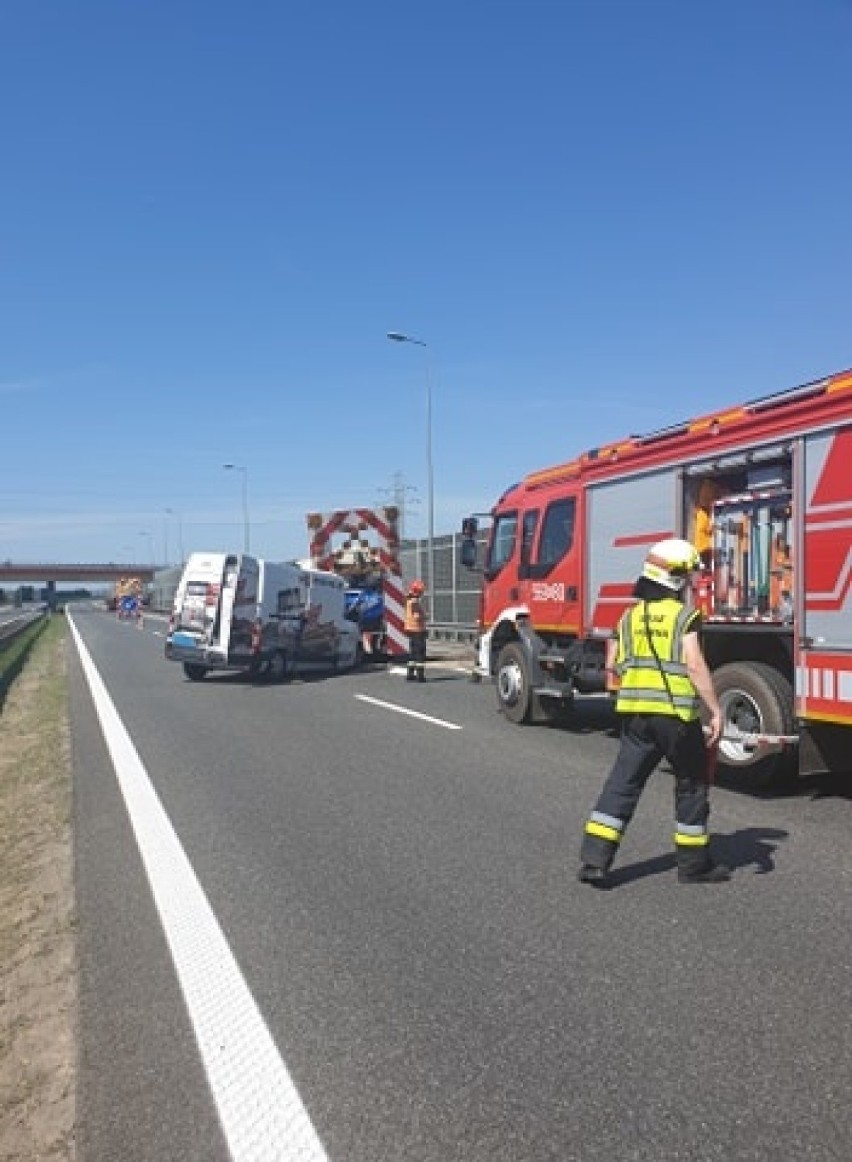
x: 174, y: 512
x: 399, y: 337
x: 241, y: 468
x: 147, y: 533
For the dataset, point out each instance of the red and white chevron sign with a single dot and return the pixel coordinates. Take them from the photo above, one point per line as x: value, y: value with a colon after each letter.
x: 355, y: 525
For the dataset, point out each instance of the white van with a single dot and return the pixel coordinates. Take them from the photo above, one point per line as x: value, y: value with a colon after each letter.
x: 237, y: 612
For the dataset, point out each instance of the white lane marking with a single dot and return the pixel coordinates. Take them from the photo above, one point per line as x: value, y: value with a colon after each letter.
x: 260, y: 1111
x: 410, y: 713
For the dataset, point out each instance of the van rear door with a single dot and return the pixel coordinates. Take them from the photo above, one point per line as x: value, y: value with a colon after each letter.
x: 240, y: 601
x: 191, y: 613
x: 200, y: 608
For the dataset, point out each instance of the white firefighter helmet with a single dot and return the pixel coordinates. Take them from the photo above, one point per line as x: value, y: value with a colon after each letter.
x: 670, y: 562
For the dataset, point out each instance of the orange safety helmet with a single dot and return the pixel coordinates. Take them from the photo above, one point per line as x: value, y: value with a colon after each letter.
x: 417, y: 588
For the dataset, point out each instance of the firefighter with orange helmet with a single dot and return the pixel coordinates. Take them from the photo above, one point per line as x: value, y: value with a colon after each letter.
x: 663, y: 678
x: 415, y: 626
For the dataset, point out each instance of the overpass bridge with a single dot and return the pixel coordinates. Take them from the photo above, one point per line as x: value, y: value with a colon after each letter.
x: 48, y: 576
x: 41, y: 573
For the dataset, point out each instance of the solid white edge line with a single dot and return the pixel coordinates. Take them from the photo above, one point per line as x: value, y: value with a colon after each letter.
x: 261, y: 1113
x: 405, y: 710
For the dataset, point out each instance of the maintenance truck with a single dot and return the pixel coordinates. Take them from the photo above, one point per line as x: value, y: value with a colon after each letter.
x: 127, y: 598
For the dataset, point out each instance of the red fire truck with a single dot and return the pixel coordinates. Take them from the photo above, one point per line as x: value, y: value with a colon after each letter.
x: 768, y: 484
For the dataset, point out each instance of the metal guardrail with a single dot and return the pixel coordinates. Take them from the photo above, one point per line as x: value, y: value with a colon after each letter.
x: 15, y: 626
x: 452, y: 632
x: 16, y: 639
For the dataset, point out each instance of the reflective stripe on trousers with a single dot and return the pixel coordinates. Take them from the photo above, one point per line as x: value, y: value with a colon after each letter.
x: 645, y: 740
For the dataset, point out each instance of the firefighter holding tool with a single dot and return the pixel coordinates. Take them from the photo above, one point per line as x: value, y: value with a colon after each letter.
x: 663, y: 678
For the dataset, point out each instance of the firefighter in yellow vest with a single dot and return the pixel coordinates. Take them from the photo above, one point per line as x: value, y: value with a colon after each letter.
x: 663, y: 678
x: 415, y: 627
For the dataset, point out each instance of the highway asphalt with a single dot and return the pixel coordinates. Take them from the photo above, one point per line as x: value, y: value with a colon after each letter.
x: 392, y: 869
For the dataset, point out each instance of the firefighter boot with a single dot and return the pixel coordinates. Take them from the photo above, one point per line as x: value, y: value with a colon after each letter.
x: 421, y: 674
x: 601, y: 837
x: 409, y: 673
x: 596, y: 876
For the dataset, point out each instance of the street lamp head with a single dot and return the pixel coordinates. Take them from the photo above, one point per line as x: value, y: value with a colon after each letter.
x: 398, y: 337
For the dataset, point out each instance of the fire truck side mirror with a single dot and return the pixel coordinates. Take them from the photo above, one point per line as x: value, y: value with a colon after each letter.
x: 469, y: 531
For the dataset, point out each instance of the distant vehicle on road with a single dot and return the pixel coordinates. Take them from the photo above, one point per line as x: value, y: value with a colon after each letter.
x: 127, y: 597
x: 237, y: 612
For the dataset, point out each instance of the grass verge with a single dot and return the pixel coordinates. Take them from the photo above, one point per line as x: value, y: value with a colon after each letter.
x: 37, y: 966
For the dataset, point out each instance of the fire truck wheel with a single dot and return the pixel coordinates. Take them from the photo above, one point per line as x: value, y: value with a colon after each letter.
x: 513, y: 683
x: 276, y: 667
x: 193, y: 671
x: 755, y: 699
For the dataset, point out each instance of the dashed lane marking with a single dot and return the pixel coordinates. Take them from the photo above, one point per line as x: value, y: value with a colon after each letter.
x: 404, y: 710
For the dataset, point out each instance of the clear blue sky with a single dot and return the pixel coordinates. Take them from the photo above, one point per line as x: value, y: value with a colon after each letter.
x: 602, y: 216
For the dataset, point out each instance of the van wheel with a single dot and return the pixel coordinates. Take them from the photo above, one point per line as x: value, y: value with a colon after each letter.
x: 755, y: 699
x: 193, y: 671
x: 513, y: 683
x: 276, y: 668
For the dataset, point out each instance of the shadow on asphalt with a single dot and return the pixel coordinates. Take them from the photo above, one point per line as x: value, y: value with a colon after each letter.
x: 594, y: 715
x: 825, y: 785
x: 753, y: 847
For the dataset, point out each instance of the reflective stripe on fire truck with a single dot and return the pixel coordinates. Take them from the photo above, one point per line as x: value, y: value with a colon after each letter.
x: 824, y: 690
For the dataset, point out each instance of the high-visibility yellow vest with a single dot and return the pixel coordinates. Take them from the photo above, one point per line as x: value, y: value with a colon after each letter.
x: 415, y: 621
x: 654, y: 678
